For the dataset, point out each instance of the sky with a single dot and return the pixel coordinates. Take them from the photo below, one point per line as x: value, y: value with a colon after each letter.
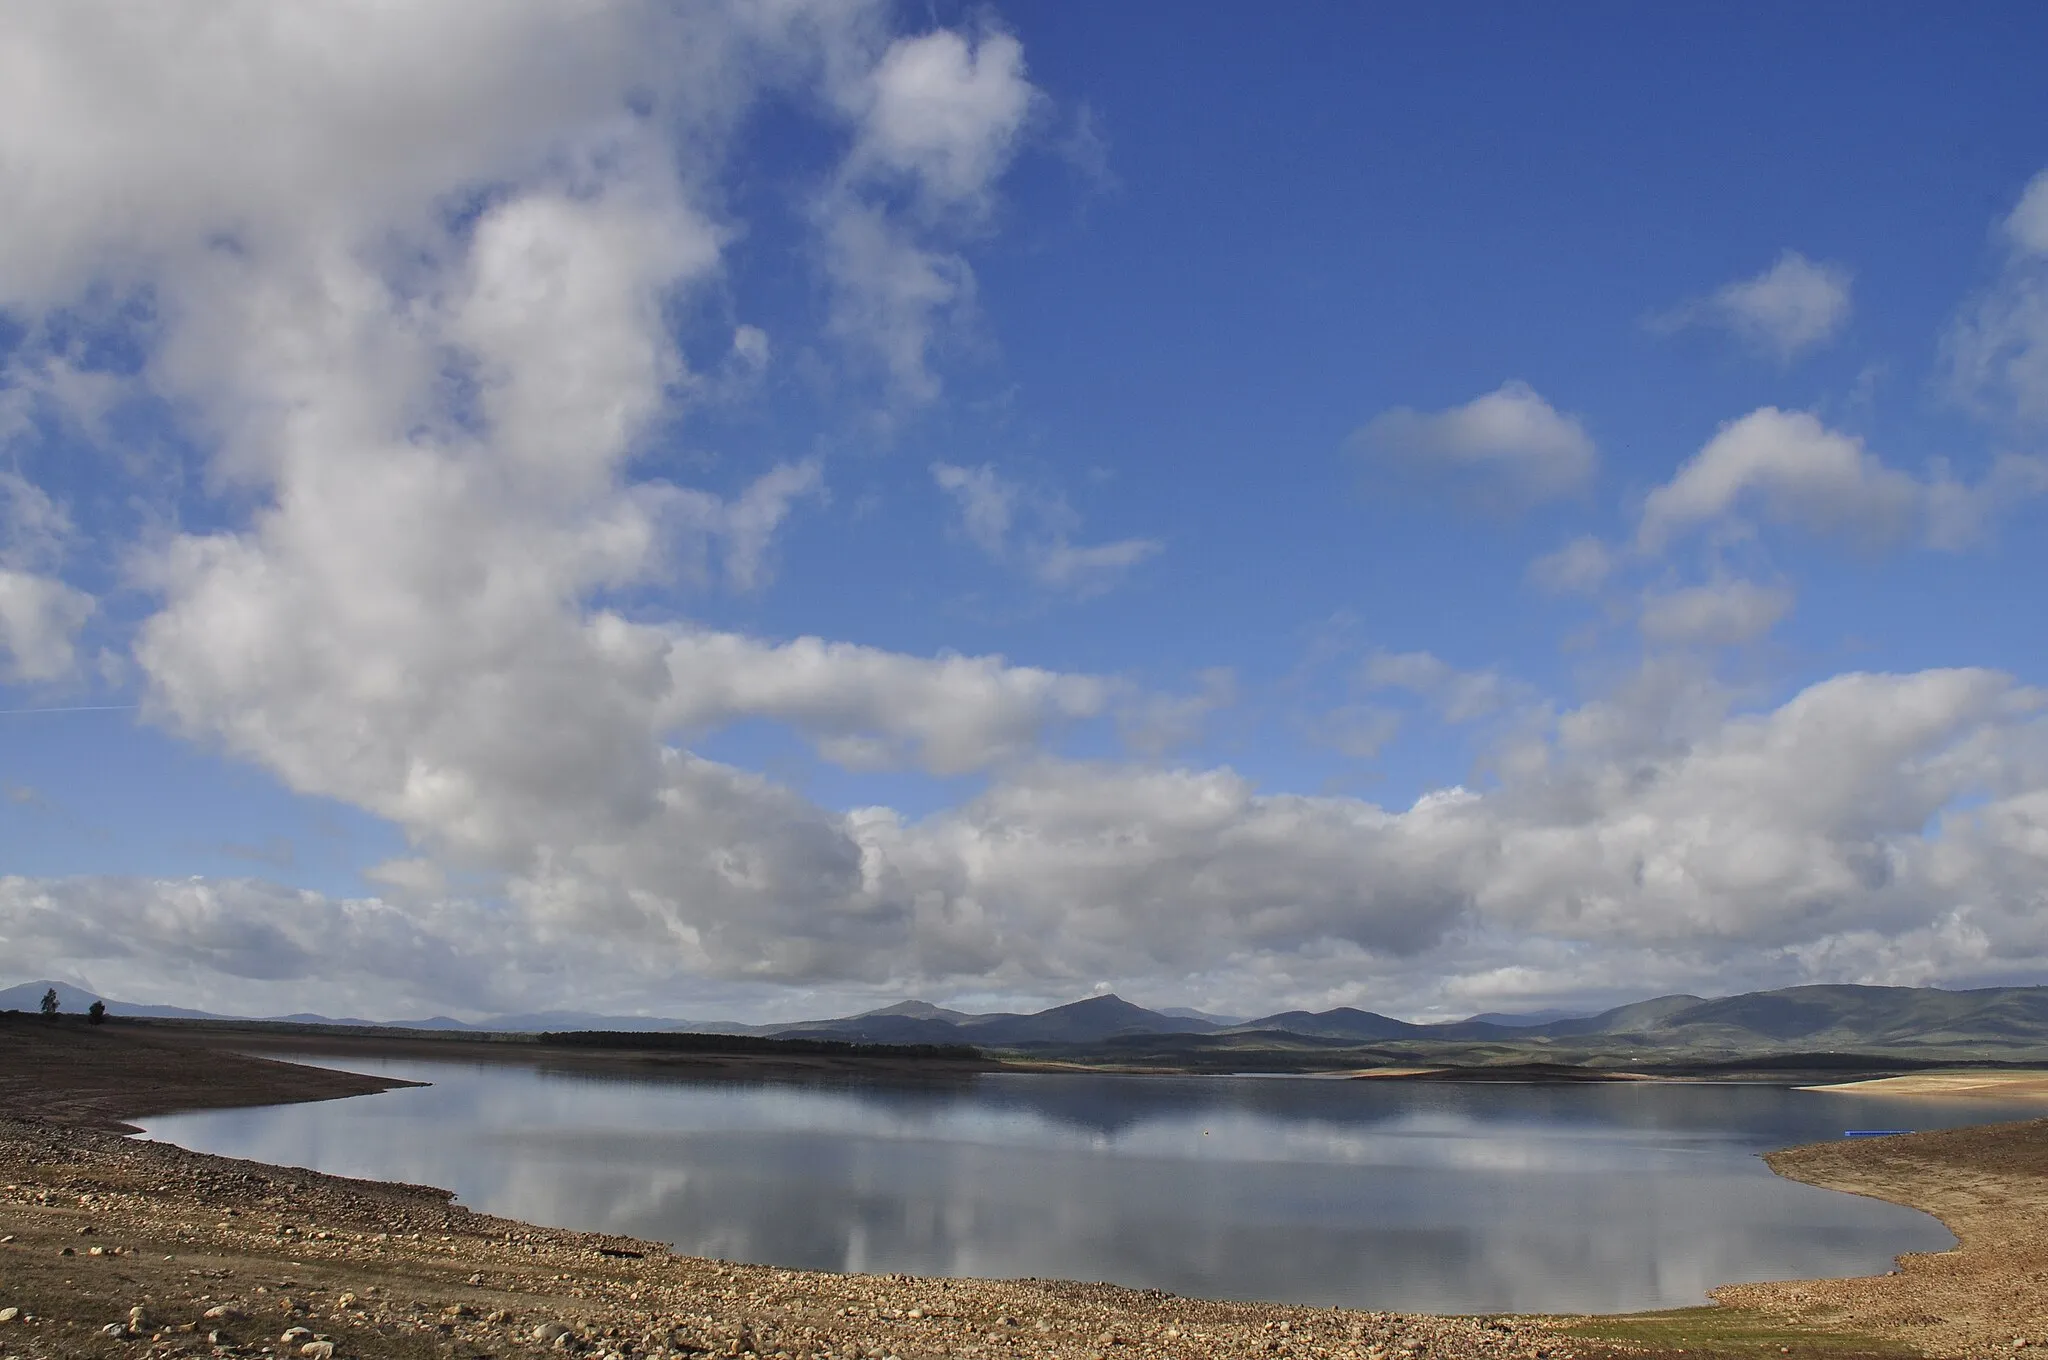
x: 761, y: 510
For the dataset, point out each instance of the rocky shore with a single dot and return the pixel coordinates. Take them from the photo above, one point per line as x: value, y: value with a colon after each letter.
x: 1987, y: 1297
x: 113, y: 1247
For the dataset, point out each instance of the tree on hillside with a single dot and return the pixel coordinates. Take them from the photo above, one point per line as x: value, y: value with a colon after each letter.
x: 96, y: 1013
x: 50, y: 1004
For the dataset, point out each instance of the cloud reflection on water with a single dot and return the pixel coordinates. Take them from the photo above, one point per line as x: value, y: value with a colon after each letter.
x: 1456, y: 1198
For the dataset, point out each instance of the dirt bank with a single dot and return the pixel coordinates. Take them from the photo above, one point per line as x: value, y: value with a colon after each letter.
x: 1976, y: 1085
x: 113, y: 1247
x: 1989, y: 1185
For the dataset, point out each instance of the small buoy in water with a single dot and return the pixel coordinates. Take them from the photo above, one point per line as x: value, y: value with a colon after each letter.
x: 1873, y: 1133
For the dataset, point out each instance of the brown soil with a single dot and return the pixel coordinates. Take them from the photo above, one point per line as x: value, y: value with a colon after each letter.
x: 113, y: 1247
x: 1989, y: 1185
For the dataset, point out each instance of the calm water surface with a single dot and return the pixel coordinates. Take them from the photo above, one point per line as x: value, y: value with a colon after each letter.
x: 1372, y: 1194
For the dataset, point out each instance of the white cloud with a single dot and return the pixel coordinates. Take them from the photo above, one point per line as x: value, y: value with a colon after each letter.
x: 987, y: 504
x: 1792, y: 306
x: 2027, y: 226
x: 995, y: 511
x: 945, y: 112
x: 1996, y: 349
x: 39, y: 622
x: 948, y: 715
x: 1357, y: 731
x: 1580, y: 567
x: 1093, y: 568
x: 940, y: 115
x: 1722, y: 614
x: 1460, y: 696
x: 1881, y: 827
x: 429, y: 422
x: 1797, y: 471
x: 1153, y: 724
x: 1509, y: 446
x: 745, y: 526
x: 40, y: 615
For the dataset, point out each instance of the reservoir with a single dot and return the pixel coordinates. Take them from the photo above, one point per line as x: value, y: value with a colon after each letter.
x: 1380, y: 1194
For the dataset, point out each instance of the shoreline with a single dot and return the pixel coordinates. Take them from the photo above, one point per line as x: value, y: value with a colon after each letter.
x: 224, y: 1258
x: 388, y: 1269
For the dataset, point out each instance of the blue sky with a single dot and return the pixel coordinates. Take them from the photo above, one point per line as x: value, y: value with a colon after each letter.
x: 1429, y: 510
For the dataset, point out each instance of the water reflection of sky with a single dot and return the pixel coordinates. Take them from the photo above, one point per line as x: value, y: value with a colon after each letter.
x: 1391, y: 1195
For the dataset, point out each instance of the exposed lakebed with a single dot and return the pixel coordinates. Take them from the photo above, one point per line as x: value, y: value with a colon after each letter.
x: 1377, y: 1194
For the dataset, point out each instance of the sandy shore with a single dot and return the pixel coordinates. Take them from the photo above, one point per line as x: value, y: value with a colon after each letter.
x: 229, y: 1258
x: 2005, y: 1085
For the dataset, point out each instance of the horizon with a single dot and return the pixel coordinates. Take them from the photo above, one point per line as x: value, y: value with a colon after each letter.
x: 486, y: 1022
x: 747, y: 510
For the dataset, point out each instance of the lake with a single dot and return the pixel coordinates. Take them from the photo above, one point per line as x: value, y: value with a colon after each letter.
x: 1373, y: 1194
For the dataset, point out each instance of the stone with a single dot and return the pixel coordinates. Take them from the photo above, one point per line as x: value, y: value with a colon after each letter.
x: 318, y: 1350
x: 113, y: 1329
x: 293, y: 1335
x: 9, y: 1314
x: 549, y: 1331
x: 458, y: 1310
x: 220, y: 1311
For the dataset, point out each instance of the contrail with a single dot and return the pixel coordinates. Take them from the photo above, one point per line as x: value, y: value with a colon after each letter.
x: 75, y: 708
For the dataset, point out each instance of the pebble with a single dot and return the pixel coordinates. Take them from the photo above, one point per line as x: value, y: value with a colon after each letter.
x: 294, y: 1335
x: 318, y: 1350
x: 9, y: 1314
x: 221, y: 1311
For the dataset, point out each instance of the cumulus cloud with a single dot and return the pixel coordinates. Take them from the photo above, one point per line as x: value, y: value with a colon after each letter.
x: 1031, y: 530
x: 1880, y: 827
x: 1790, y: 307
x: 1996, y: 349
x: 1508, y: 447
x: 413, y: 274
x: 875, y: 709
x: 1796, y: 471
x: 1720, y: 614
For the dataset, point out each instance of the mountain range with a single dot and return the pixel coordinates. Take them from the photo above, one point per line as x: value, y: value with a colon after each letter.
x: 1813, y: 1019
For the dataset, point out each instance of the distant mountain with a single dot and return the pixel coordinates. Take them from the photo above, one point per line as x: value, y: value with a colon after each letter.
x: 1097, y: 1018
x: 1078, y: 1022
x: 28, y: 996
x: 1812, y: 1019
x: 1190, y: 1013
x: 1342, y: 1023
x: 1522, y: 1019
x: 1833, y: 1017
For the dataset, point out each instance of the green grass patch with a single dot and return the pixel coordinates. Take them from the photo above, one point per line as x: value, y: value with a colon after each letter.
x: 1715, y: 1331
